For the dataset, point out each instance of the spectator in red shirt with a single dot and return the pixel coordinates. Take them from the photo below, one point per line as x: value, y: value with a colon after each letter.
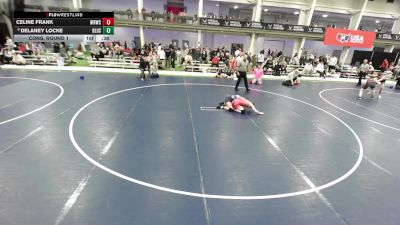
x: 385, y: 65
x: 215, y: 61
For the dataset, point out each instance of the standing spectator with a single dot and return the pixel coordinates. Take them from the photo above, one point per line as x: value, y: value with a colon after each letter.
x: 179, y: 56
x: 9, y: 43
x: 161, y: 56
x: 321, y: 69
x: 385, y: 65
x: 233, y: 66
x: 56, y: 47
x: 260, y: 58
x: 364, y: 68
x: 173, y: 58
x: 142, y: 64
x: 203, y: 56
x: 332, y: 63
x: 167, y: 51
x: 237, y: 52
x: 276, y: 67
x: 371, y: 69
x: 243, y: 64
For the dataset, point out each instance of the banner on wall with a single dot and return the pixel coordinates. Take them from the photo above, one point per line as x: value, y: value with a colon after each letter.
x: 350, y: 38
x: 261, y: 26
x: 385, y: 36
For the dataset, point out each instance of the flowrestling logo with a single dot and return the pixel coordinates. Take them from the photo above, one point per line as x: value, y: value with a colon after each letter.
x: 344, y: 38
x: 351, y: 38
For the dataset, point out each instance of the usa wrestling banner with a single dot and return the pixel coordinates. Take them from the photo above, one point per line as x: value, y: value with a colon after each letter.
x: 351, y: 38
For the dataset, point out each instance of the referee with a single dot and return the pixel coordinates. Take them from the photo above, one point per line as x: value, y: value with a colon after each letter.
x: 242, y: 64
x: 364, y: 68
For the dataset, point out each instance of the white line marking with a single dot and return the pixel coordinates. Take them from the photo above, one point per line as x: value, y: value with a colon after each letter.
x: 322, y: 129
x: 35, y: 130
x: 40, y: 108
x: 269, y: 138
x: 22, y: 139
x: 376, y: 130
x: 194, y: 194
x: 367, y: 108
x: 378, y: 166
x: 212, y: 110
x: 72, y: 199
x: 11, y: 104
x: 361, y: 117
x: 202, y: 187
x: 312, y: 185
x: 81, y: 186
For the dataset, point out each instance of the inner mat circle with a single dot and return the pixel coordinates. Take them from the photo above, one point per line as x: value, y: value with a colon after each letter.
x: 214, y: 196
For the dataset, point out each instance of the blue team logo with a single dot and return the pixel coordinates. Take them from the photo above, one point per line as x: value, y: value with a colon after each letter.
x: 342, y: 37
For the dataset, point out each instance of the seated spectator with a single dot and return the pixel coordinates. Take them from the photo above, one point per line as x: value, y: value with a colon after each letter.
x: 18, y: 59
x: 188, y: 59
x: 308, y: 69
x: 7, y: 55
x: 215, y: 61
x: 321, y: 69
x: 79, y: 52
x: 153, y: 66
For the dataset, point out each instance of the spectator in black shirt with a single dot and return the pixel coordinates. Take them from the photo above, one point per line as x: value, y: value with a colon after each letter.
x: 173, y: 58
x: 167, y: 51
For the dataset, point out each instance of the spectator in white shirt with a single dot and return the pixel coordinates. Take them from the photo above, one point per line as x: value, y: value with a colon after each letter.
x: 332, y: 63
x: 292, y: 78
x: 308, y: 69
x: 18, y: 59
x: 237, y: 52
x: 161, y: 56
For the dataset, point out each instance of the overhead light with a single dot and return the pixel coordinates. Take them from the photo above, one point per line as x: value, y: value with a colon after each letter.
x: 296, y: 13
x: 325, y: 15
x: 235, y: 7
x: 377, y: 21
x: 265, y: 10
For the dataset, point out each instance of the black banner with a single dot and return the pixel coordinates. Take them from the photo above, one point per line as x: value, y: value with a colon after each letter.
x: 386, y: 36
x: 24, y: 15
x: 261, y: 26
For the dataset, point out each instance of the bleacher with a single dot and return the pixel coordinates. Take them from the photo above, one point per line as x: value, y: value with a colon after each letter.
x: 203, y: 67
x: 126, y: 63
x: 45, y: 59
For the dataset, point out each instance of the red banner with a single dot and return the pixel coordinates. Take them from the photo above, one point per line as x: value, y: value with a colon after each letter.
x: 351, y: 38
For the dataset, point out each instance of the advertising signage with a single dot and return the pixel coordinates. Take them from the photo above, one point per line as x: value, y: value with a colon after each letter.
x: 385, y: 36
x: 261, y: 26
x: 350, y: 38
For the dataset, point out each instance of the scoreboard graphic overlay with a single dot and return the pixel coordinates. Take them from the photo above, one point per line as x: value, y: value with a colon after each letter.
x: 63, y: 26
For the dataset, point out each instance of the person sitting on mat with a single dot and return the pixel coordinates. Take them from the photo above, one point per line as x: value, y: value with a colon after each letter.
x: 236, y: 103
x: 371, y: 83
x: 292, y: 78
x: 258, y: 74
